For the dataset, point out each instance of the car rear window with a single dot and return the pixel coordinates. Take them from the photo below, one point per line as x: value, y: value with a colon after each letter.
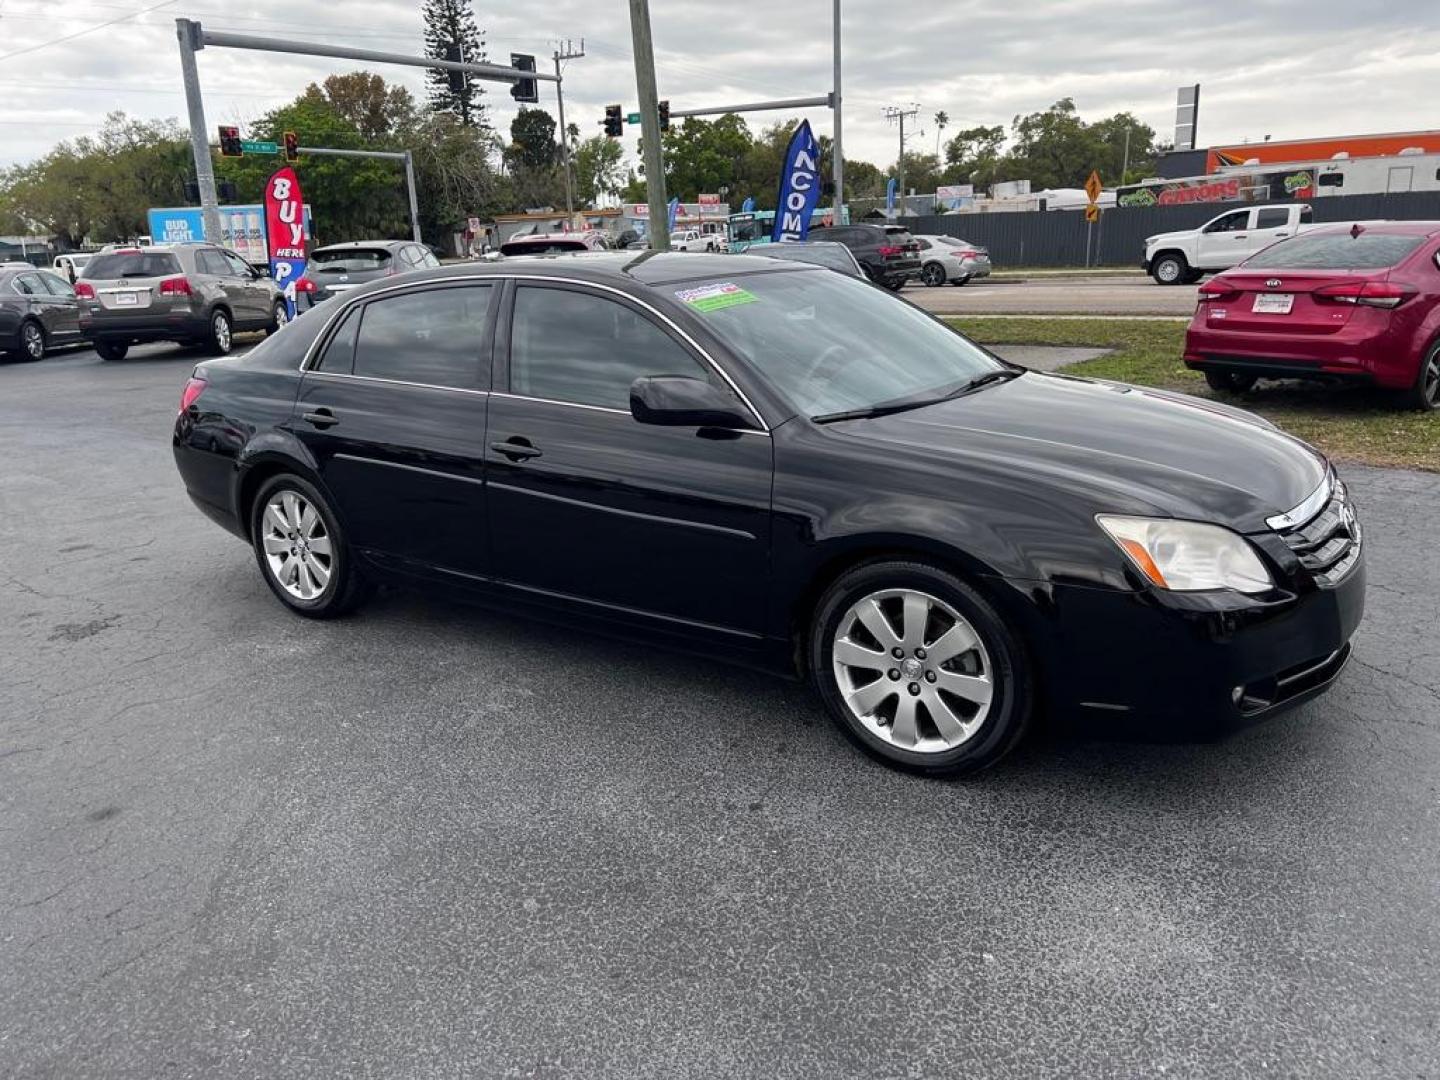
x: 1336, y: 251
x: 351, y: 260
x: 541, y: 247
x: 132, y: 264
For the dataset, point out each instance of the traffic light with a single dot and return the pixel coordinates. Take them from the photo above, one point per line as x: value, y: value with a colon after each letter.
x: 524, y: 89
x: 230, y: 142
x: 454, y: 53
x: 614, y: 121
x: 664, y: 116
x: 292, y: 146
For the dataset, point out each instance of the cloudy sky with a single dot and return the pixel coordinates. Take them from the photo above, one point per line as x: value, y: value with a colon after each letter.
x: 1268, y: 67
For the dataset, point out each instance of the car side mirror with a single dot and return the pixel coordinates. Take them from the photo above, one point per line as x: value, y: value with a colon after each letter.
x: 682, y: 401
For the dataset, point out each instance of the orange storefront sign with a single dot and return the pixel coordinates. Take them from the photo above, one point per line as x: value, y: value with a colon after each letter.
x: 1357, y: 146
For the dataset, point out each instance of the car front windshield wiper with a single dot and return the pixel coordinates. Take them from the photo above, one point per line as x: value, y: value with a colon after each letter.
x: 886, y: 408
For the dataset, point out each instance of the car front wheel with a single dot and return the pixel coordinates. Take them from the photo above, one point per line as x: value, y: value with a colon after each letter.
x: 918, y: 669
x: 301, y: 550
x: 1170, y: 270
x: 219, y: 341
x: 279, y: 316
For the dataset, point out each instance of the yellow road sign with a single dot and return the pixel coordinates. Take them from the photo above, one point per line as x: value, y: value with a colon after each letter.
x: 1092, y: 213
x: 1093, y: 186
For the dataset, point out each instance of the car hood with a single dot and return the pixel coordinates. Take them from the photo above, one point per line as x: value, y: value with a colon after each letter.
x: 1126, y: 449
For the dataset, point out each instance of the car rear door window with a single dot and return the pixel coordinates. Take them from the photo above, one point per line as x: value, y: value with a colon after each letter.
x: 339, y: 355
x: 578, y: 347
x: 1272, y: 217
x: 432, y: 337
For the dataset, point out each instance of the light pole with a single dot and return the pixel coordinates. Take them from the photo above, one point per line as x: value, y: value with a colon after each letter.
x: 838, y: 165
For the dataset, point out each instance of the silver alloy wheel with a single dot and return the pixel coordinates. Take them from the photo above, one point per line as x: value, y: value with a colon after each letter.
x: 912, y: 670
x: 282, y: 315
x: 297, y: 546
x: 33, y: 340
x: 934, y: 274
x: 220, y: 330
x: 1169, y: 270
x: 1430, y: 384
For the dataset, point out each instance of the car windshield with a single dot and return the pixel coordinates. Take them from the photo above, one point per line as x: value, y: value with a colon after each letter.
x: 1335, y: 251
x: 350, y: 260
x: 131, y: 264
x: 831, y: 343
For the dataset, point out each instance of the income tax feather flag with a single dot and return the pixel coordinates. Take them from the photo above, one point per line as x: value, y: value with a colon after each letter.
x: 799, y: 186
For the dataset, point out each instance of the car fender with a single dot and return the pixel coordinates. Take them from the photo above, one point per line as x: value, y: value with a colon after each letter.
x: 275, y: 450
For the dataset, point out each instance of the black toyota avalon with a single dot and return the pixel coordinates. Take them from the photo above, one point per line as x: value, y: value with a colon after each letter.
x: 784, y: 466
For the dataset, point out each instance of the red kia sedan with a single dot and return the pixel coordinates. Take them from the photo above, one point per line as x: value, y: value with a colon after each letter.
x: 1344, y: 302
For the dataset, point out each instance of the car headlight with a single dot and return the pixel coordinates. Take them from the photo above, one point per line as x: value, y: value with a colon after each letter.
x: 1187, y: 556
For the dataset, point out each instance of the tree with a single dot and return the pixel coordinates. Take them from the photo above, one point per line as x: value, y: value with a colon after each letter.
x: 533, y: 158
x: 973, y: 156
x: 450, y: 22
x: 1110, y: 137
x: 597, y: 169
x: 375, y: 108
x: 704, y: 155
x: 1054, y: 148
x: 942, y: 121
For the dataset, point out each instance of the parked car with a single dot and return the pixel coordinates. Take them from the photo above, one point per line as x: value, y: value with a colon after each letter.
x: 694, y: 240
x: 888, y: 258
x: 1357, y: 303
x: 825, y: 253
x: 38, y: 311
x: 1181, y: 258
x: 70, y: 265
x: 948, y: 259
x: 338, y: 268
x: 557, y: 243
x: 188, y: 293
x: 778, y: 464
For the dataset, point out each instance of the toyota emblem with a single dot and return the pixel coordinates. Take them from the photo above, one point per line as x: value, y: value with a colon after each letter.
x: 1273, y: 283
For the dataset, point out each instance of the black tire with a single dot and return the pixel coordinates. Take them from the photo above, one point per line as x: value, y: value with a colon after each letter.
x: 958, y: 282
x: 1425, y: 395
x: 221, y: 338
x: 279, y: 317
x: 1170, y: 269
x: 32, y: 341
x: 894, y: 284
x: 112, y: 350
x: 1008, y: 714
x: 1192, y: 276
x: 345, y: 587
x: 933, y: 274
x: 1229, y: 382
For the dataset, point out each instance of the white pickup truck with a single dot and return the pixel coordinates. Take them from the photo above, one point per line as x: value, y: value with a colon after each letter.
x: 694, y: 240
x: 1181, y: 258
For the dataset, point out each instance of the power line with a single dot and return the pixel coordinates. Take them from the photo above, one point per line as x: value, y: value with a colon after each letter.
x: 87, y: 30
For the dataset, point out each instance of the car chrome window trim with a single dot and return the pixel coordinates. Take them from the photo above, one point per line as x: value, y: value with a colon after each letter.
x: 1307, y: 508
x: 679, y: 330
x: 396, y: 382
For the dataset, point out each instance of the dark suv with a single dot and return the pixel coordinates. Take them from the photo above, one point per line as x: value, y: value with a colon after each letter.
x: 889, y: 257
x: 189, y: 293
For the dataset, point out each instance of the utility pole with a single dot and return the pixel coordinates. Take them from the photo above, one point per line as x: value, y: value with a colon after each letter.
x: 1126, y: 167
x: 837, y: 166
x: 567, y: 52
x: 659, y: 228
x: 898, y: 113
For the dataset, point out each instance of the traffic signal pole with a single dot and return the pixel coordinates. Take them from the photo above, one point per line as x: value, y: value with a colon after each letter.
x: 380, y: 155
x: 659, y: 227
x: 189, y: 34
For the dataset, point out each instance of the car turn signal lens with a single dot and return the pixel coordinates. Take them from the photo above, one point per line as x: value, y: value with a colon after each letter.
x: 1188, y: 556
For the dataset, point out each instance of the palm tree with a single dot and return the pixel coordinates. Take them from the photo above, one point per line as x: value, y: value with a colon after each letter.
x: 942, y: 121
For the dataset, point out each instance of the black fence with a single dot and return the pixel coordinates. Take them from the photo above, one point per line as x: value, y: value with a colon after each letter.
x: 1058, y: 237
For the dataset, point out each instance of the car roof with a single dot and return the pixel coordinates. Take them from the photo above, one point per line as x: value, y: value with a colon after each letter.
x: 352, y: 245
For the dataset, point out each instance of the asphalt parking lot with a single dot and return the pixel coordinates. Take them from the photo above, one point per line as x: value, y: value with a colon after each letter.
x: 429, y: 840
x: 1134, y: 295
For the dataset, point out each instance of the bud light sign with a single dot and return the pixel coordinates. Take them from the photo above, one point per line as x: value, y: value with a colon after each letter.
x: 799, y: 186
x: 285, y: 232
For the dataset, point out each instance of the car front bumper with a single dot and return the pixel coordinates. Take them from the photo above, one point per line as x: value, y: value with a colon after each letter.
x: 1178, y: 667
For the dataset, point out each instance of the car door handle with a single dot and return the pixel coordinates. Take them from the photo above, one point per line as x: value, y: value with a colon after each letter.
x: 516, y: 448
x: 1282, y: 233
x: 1241, y: 236
x: 322, y: 418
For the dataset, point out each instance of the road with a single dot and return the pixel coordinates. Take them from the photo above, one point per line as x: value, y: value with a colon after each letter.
x: 434, y: 841
x: 1134, y: 295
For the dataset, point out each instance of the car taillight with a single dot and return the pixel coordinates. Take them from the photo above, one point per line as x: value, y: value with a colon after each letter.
x: 968, y: 254
x: 1378, y: 294
x: 1216, y: 290
x: 305, y: 285
x: 175, y: 286
x: 84, y: 291
x: 886, y: 250
x: 194, y: 387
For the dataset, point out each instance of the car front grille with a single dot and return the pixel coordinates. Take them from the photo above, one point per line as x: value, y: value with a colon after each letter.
x: 1329, y: 543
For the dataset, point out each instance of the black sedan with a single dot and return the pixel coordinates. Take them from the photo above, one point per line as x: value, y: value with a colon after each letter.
x: 781, y: 465
x: 38, y: 311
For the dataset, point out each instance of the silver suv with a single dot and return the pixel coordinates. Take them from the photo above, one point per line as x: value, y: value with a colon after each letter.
x: 190, y: 293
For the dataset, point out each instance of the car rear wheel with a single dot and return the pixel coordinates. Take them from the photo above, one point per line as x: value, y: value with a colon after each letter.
x: 1170, y: 270
x: 279, y: 316
x: 112, y: 350
x: 1426, y: 393
x: 918, y: 669
x: 32, y: 341
x: 220, y: 339
x: 301, y: 550
x: 1229, y: 382
x: 894, y: 284
x: 933, y: 274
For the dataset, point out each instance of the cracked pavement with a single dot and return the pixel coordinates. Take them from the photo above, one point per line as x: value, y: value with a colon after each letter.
x: 435, y: 841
